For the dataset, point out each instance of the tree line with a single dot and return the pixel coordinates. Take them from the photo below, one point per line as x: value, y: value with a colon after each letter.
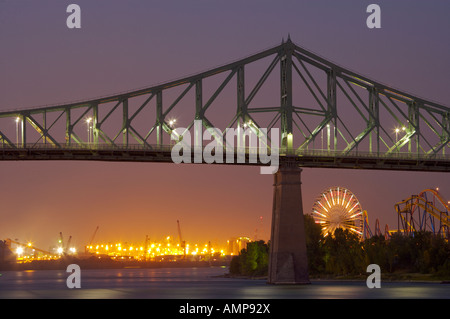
x: 344, y: 254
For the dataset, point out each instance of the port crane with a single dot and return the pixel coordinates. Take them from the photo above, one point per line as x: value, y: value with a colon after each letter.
x: 93, y: 236
x: 92, y: 239
x: 61, y: 240
x: 180, y: 238
x: 68, y: 242
x: 63, y: 247
x: 9, y: 241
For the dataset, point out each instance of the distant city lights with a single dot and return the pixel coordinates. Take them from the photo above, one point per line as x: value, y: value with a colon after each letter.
x: 167, y: 249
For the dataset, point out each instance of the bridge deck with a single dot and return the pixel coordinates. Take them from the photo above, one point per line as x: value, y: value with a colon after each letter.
x: 163, y: 154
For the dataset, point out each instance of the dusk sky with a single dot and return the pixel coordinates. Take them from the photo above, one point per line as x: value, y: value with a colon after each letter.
x: 125, y: 45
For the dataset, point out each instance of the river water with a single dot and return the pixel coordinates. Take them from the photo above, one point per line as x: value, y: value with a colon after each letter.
x: 196, y: 283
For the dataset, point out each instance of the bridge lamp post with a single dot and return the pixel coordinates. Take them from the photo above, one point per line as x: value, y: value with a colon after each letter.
x: 247, y: 124
x: 321, y: 132
x: 88, y: 121
x: 172, y: 127
x: 17, y: 130
x: 328, y: 137
x: 397, y: 130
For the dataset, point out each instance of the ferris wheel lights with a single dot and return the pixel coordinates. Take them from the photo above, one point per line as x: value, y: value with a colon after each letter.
x: 323, y: 207
x: 327, y: 201
x: 320, y: 214
x: 349, y: 201
x: 331, y: 210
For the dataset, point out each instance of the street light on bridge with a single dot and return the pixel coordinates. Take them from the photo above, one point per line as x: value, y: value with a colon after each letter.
x: 17, y: 130
x: 397, y: 130
x: 172, y: 127
x: 88, y: 121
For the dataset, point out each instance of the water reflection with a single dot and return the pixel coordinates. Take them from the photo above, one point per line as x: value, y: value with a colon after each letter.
x: 192, y: 283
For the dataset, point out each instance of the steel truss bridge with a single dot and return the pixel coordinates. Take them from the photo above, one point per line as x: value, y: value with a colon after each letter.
x: 312, y: 112
x: 327, y: 116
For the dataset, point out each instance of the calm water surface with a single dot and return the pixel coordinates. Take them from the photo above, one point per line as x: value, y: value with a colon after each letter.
x: 196, y: 283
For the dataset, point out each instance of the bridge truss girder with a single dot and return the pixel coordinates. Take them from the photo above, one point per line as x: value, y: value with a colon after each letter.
x: 316, y: 97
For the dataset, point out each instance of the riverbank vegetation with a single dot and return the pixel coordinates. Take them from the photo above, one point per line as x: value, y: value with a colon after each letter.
x: 344, y: 255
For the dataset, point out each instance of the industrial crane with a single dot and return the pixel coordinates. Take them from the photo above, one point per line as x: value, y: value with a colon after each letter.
x: 64, y: 248
x: 93, y: 236
x: 68, y: 242
x: 61, y: 240
x: 9, y: 241
x: 92, y: 239
x: 180, y: 238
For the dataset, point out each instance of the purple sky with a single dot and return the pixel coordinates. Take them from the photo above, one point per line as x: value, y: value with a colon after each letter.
x: 124, y: 45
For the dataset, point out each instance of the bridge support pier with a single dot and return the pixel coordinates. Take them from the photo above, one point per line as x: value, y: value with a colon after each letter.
x: 288, y: 260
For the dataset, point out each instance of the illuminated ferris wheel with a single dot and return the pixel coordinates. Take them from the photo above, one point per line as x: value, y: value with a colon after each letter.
x: 338, y: 207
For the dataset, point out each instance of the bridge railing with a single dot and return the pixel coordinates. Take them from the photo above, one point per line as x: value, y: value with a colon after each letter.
x: 365, y: 154
x: 319, y: 153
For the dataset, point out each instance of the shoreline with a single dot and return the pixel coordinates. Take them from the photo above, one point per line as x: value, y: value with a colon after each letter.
x: 108, y: 264
x: 403, y: 277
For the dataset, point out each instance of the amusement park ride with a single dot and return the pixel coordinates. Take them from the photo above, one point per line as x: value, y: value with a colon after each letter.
x: 338, y: 207
x: 428, y: 211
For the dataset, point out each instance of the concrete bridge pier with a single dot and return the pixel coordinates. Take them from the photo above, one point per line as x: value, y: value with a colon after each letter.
x: 288, y: 261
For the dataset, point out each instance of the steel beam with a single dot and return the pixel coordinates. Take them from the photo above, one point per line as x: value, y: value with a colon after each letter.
x: 125, y: 122
x: 341, y: 137
x: 374, y: 119
x: 286, y: 107
x: 332, y: 105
